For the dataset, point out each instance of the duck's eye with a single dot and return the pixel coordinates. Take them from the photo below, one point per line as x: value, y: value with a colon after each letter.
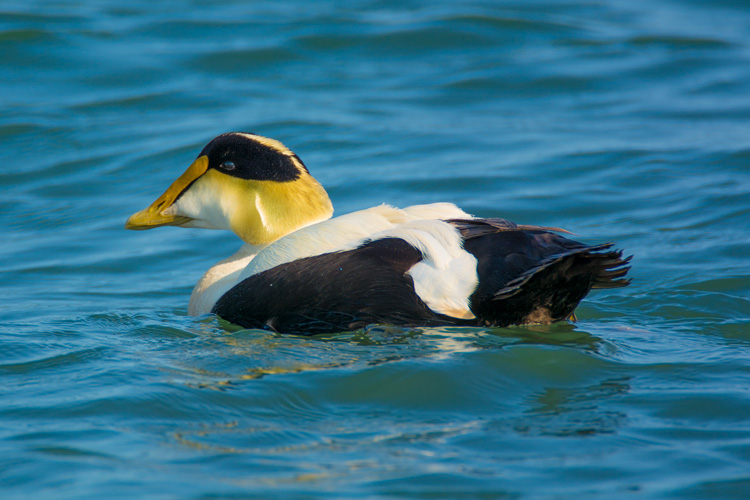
x: 228, y: 165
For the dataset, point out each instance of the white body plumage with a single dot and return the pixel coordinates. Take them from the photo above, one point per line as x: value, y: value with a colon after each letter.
x: 444, y: 279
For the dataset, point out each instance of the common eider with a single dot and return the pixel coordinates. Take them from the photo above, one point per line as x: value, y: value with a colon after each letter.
x: 301, y: 271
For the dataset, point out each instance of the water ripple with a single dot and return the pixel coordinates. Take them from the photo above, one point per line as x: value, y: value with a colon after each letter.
x: 622, y: 122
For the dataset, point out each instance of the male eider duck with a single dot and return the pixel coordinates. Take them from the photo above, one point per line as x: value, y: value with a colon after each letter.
x: 301, y: 271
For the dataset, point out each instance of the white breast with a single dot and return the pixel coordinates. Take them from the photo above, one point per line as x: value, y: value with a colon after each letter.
x: 219, y: 279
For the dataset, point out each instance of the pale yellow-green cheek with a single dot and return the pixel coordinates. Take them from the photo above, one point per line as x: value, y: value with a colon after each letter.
x: 270, y: 210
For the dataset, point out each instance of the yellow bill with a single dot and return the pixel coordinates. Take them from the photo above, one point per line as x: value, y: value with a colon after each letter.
x: 154, y: 215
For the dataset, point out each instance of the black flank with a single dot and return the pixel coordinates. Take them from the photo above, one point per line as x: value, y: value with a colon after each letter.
x: 332, y: 292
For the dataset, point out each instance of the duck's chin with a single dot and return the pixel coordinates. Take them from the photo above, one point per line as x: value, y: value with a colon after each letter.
x: 198, y: 224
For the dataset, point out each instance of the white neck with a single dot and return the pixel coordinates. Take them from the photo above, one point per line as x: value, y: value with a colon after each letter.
x: 219, y: 279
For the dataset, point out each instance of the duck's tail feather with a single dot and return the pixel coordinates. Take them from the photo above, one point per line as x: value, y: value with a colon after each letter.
x: 605, y: 268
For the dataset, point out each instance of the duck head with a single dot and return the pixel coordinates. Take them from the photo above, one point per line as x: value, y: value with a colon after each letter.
x: 254, y: 186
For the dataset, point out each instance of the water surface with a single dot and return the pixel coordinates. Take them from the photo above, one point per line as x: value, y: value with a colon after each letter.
x: 620, y: 121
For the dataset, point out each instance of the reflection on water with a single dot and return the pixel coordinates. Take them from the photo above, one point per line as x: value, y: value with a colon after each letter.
x: 548, y: 406
x: 227, y: 358
x: 563, y: 411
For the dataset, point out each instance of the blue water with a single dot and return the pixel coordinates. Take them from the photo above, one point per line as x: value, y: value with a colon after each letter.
x: 624, y: 121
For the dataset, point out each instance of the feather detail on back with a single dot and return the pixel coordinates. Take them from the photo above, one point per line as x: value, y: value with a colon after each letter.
x: 447, y: 274
x: 344, y: 232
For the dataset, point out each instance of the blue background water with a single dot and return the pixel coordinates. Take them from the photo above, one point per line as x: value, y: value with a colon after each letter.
x: 619, y: 120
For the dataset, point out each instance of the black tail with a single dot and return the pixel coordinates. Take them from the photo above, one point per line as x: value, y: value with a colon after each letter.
x: 603, y: 269
x: 531, y: 275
